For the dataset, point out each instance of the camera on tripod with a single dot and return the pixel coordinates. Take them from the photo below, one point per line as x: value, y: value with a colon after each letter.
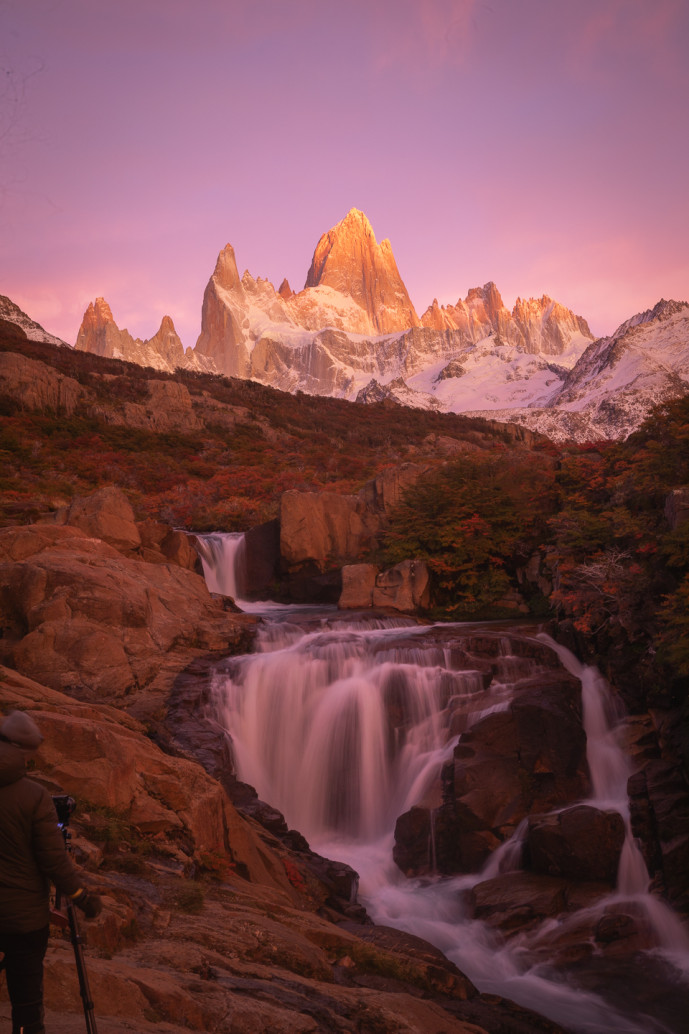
x: 64, y: 806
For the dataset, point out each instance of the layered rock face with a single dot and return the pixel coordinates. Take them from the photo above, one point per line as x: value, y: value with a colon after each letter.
x: 90, y: 602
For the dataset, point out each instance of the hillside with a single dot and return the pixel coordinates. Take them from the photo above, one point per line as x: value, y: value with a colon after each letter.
x: 197, y: 450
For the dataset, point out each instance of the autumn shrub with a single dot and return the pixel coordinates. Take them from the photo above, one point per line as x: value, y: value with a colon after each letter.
x: 473, y: 521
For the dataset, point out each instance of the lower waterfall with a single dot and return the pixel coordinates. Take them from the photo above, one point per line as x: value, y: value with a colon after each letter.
x: 343, y: 723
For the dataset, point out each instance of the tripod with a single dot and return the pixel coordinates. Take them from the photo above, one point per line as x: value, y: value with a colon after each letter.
x: 64, y: 806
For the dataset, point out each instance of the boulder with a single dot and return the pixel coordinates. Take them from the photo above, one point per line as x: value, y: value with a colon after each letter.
x: 579, y: 843
x: 168, y: 409
x: 104, y: 759
x: 529, y: 757
x: 405, y: 587
x: 358, y: 584
x: 516, y: 900
x: 105, y: 514
x: 323, y: 528
x: 161, y: 544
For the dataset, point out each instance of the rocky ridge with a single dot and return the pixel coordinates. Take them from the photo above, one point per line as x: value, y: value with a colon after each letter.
x: 353, y: 333
x: 164, y: 351
x: 616, y: 381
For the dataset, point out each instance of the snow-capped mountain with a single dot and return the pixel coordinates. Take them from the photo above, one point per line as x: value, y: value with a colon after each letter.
x: 353, y: 332
x: 11, y: 313
x: 354, y: 323
x: 618, y: 379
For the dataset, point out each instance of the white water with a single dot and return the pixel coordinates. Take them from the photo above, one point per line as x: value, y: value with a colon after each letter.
x: 223, y: 557
x: 343, y: 726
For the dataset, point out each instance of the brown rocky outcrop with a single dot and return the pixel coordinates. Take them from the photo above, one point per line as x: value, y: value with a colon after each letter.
x: 78, y: 614
x: 405, y: 587
x: 358, y: 584
x: 162, y: 544
x: 105, y: 514
x: 323, y: 527
x: 385, y: 491
x: 35, y: 385
x: 103, y: 757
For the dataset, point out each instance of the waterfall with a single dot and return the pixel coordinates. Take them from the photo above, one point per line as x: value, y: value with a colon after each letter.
x: 344, y: 724
x: 610, y: 770
x: 223, y: 558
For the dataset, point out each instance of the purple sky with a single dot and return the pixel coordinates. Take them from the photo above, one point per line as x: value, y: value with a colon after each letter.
x: 542, y: 144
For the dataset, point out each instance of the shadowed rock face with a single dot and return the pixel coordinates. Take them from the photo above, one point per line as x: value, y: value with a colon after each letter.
x: 580, y: 843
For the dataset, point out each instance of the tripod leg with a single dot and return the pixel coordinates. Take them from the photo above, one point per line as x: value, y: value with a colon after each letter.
x: 84, y: 989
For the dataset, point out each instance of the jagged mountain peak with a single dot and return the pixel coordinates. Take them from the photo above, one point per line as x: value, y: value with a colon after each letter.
x: 225, y: 273
x: 488, y: 294
x: 98, y: 313
x: 349, y: 260
x: 662, y: 310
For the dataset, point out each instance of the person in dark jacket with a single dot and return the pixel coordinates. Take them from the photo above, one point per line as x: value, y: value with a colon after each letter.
x: 32, y: 856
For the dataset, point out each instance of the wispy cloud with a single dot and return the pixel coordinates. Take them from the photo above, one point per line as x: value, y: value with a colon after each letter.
x: 612, y: 30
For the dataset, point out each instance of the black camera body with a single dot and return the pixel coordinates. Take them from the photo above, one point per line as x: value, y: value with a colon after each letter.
x: 64, y: 806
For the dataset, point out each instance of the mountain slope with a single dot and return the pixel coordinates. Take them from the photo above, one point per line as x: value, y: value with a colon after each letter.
x: 11, y: 313
x: 617, y: 380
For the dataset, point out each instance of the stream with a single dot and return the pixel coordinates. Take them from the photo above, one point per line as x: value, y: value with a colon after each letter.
x: 308, y: 715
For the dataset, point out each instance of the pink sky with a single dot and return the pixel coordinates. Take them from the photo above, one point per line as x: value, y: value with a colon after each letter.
x: 542, y: 144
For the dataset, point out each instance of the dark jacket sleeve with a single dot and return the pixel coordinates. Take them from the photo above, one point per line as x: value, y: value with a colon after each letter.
x: 49, y: 848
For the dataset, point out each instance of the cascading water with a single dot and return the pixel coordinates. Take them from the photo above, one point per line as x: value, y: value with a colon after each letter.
x: 345, y: 724
x: 223, y: 557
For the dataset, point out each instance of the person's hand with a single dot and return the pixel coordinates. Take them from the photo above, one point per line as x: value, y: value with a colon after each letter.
x: 89, y: 903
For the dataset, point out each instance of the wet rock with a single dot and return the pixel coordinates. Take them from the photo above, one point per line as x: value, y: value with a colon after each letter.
x: 580, y: 843
x: 405, y: 587
x: 528, y: 757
